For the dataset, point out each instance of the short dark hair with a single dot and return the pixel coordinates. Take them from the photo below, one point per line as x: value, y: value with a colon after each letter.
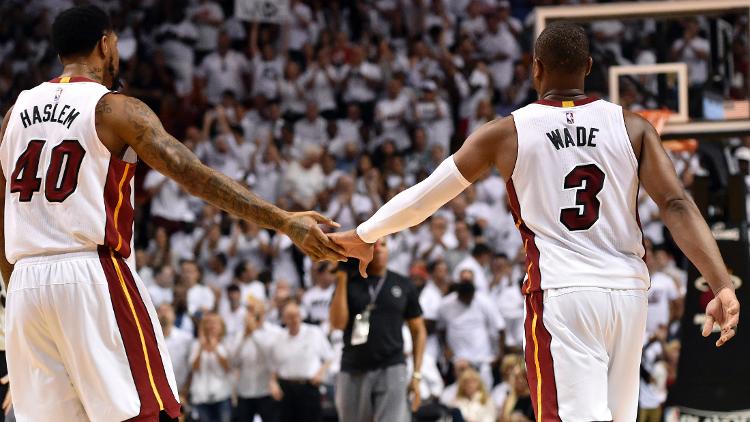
x: 76, y: 31
x: 481, y: 249
x: 563, y: 46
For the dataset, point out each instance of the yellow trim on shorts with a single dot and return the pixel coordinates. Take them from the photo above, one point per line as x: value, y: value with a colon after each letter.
x: 119, y: 204
x: 140, y: 331
x: 536, y: 363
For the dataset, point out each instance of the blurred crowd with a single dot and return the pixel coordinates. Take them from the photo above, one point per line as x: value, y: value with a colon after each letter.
x: 337, y: 108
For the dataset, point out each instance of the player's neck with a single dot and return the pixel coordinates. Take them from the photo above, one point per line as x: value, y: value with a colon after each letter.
x: 555, y: 94
x: 93, y: 72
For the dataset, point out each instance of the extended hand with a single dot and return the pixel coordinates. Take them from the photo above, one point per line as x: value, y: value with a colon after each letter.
x: 302, y: 228
x: 355, y: 247
x: 723, y: 309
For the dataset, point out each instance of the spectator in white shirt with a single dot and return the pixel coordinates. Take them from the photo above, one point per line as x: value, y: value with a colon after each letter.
x: 246, y: 276
x: 268, y: 66
x: 170, y: 205
x: 501, y: 48
x: 429, y: 299
x: 301, y: 357
x: 218, y: 274
x: 292, y: 92
x: 360, y: 79
x: 301, y: 26
x: 320, y: 82
x: 232, y: 310
x: 317, y: 299
x: 472, y: 398
x: 661, y: 296
x: 304, y: 179
x: 312, y: 129
x: 251, y: 355
x: 433, y: 114
x: 199, y: 297
x: 693, y: 50
x: 176, y: 38
x: 505, y: 292
x: 348, y: 207
x: 478, y: 263
x: 178, y: 344
x: 208, y: 17
x: 390, y: 115
x: 224, y: 70
x: 162, y: 289
x: 468, y: 324
x: 211, y: 386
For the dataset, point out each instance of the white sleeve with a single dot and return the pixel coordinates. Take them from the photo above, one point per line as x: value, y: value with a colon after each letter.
x: 415, y: 204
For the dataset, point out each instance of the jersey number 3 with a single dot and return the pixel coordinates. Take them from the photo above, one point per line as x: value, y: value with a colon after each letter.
x: 61, y: 179
x: 588, y: 181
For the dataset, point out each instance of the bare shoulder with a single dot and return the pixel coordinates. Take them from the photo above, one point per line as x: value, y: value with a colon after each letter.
x: 121, y: 119
x: 494, y: 143
x: 637, y: 127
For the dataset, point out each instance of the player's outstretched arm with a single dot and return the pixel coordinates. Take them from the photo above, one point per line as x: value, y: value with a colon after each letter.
x: 132, y: 122
x: 5, y: 267
x: 414, y: 205
x: 688, y: 228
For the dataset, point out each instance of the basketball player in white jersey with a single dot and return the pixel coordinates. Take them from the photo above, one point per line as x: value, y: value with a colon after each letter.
x: 573, y: 165
x: 84, y: 342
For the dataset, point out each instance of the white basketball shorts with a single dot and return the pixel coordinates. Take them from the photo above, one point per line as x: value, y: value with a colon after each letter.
x: 583, y: 351
x: 84, y: 343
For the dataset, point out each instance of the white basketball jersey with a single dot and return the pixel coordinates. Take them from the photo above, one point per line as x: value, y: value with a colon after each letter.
x: 64, y: 191
x: 573, y: 194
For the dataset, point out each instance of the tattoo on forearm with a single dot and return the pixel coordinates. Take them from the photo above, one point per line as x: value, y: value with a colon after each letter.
x: 170, y: 157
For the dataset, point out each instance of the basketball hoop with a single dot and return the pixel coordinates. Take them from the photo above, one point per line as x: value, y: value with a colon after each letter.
x: 658, y: 119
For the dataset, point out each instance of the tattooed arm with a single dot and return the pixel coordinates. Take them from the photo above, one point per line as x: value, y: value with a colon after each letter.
x: 6, y: 268
x: 123, y: 121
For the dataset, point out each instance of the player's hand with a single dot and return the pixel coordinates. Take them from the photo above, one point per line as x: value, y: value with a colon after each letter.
x: 723, y: 309
x: 7, y: 401
x: 303, y: 229
x: 355, y: 247
x: 416, y: 399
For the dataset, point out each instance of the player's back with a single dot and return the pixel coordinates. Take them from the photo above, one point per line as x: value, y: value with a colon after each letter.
x: 573, y: 193
x: 65, y: 192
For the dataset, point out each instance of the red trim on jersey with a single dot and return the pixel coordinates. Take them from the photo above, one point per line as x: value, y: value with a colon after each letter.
x: 63, y: 80
x: 560, y: 103
x: 540, y: 370
x: 533, y: 282
x: 139, y: 339
x: 117, y: 204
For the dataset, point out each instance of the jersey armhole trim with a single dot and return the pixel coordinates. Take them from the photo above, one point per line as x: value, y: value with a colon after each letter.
x: 631, y: 151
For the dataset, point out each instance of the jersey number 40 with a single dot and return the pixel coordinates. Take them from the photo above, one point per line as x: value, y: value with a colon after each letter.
x: 61, y: 178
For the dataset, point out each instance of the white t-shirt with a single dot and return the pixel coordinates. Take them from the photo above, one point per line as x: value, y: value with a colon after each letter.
x: 301, y: 356
x: 653, y: 395
x: 391, y: 114
x: 252, y: 357
x: 322, y: 91
x: 470, y: 263
x: 697, y: 67
x: 504, y: 42
x: 662, y: 292
x: 429, y: 301
x: 200, y: 297
x: 224, y: 73
x: 210, y: 383
x: 357, y: 89
x: 208, y: 35
x: 170, y: 201
x: 234, y: 320
x: 470, y: 329
x: 179, y: 344
x: 361, y: 206
x: 311, y: 132
x: 316, y: 302
x: 266, y: 75
x: 160, y: 295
